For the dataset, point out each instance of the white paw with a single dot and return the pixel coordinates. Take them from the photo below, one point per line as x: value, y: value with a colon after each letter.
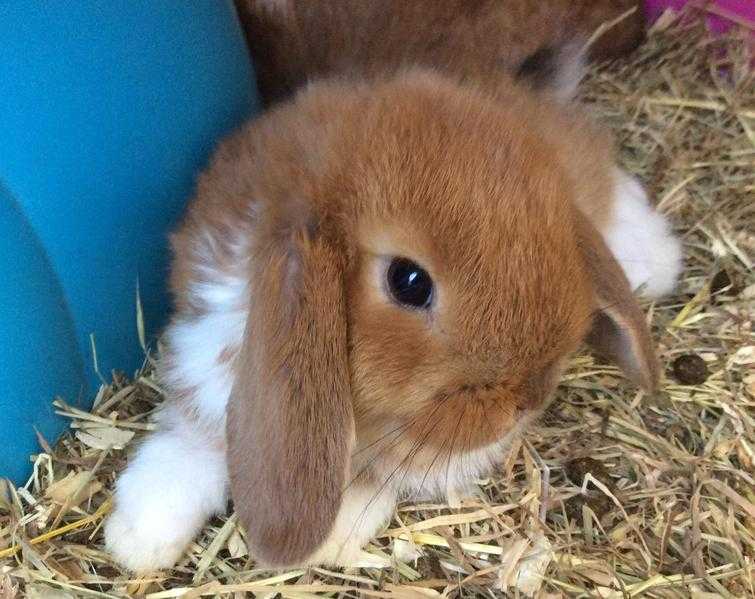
x: 146, y: 542
x: 347, y: 555
x: 642, y: 241
x: 171, y: 486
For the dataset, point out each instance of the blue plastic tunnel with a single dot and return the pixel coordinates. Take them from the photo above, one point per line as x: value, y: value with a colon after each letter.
x: 108, y: 110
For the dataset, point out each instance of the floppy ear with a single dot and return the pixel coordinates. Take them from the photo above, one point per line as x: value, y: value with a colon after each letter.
x: 289, y: 419
x: 619, y: 330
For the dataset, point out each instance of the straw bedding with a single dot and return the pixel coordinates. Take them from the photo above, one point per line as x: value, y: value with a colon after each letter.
x: 613, y: 493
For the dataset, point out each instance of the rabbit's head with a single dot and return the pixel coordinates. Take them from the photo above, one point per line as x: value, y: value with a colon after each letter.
x: 419, y: 268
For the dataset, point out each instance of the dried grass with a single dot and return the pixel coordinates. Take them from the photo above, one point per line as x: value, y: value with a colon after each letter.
x: 614, y: 493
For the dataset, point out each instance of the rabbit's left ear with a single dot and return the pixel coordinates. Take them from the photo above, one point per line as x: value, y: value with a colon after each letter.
x: 619, y: 330
x: 290, y: 420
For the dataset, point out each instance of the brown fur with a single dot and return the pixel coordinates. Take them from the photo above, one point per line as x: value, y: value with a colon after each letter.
x: 484, y: 189
x: 292, y: 405
x: 295, y: 41
x: 620, y: 39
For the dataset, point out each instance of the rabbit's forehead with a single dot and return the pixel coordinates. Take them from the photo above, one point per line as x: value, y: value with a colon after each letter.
x: 482, y: 229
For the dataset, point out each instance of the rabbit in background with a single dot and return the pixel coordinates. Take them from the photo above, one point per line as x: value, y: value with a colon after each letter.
x: 380, y: 280
x: 540, y: 42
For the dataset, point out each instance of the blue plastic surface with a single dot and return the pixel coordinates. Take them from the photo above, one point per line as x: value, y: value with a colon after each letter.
x: 40, y: 355
x: 108, y: 110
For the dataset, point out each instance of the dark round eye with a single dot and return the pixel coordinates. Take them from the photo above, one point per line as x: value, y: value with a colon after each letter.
x: 409, y: 283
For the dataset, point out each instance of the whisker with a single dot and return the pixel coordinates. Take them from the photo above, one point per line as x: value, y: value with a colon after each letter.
x: 453, y: 444
x: 432, y: 463
x: 393, y: 443
x: 493, y: 435
x: 398, y: 428
x: 466, y: 448
x: 403, y: 429
x: 415, y: 448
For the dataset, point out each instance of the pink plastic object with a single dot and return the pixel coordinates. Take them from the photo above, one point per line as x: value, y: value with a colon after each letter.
x: 722, y: 14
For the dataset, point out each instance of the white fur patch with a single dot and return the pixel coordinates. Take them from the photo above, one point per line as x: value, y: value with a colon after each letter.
x: 195, y: 344
x: 641, y: 240
x: 364, y: 511
x: 173, y: 483
x: 195, y: 347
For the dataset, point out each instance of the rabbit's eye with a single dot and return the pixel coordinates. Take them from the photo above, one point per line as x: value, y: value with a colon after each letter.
x: 409, y: 283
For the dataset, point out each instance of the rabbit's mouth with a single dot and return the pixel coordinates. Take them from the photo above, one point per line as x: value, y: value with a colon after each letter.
x: 457, y: 440
x: 459, y: 419
x: 487, y: 412
x: 462, y: 421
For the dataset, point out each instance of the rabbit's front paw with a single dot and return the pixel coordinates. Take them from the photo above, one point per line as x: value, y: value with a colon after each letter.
x: 144, y: 542
x: 172, y: 485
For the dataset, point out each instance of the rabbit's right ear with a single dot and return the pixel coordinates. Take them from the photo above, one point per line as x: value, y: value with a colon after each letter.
x: 619, y: 329
x: 290, y: 425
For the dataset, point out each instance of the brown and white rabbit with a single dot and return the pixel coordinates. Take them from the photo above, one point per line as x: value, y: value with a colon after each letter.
x: 377, y: 284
